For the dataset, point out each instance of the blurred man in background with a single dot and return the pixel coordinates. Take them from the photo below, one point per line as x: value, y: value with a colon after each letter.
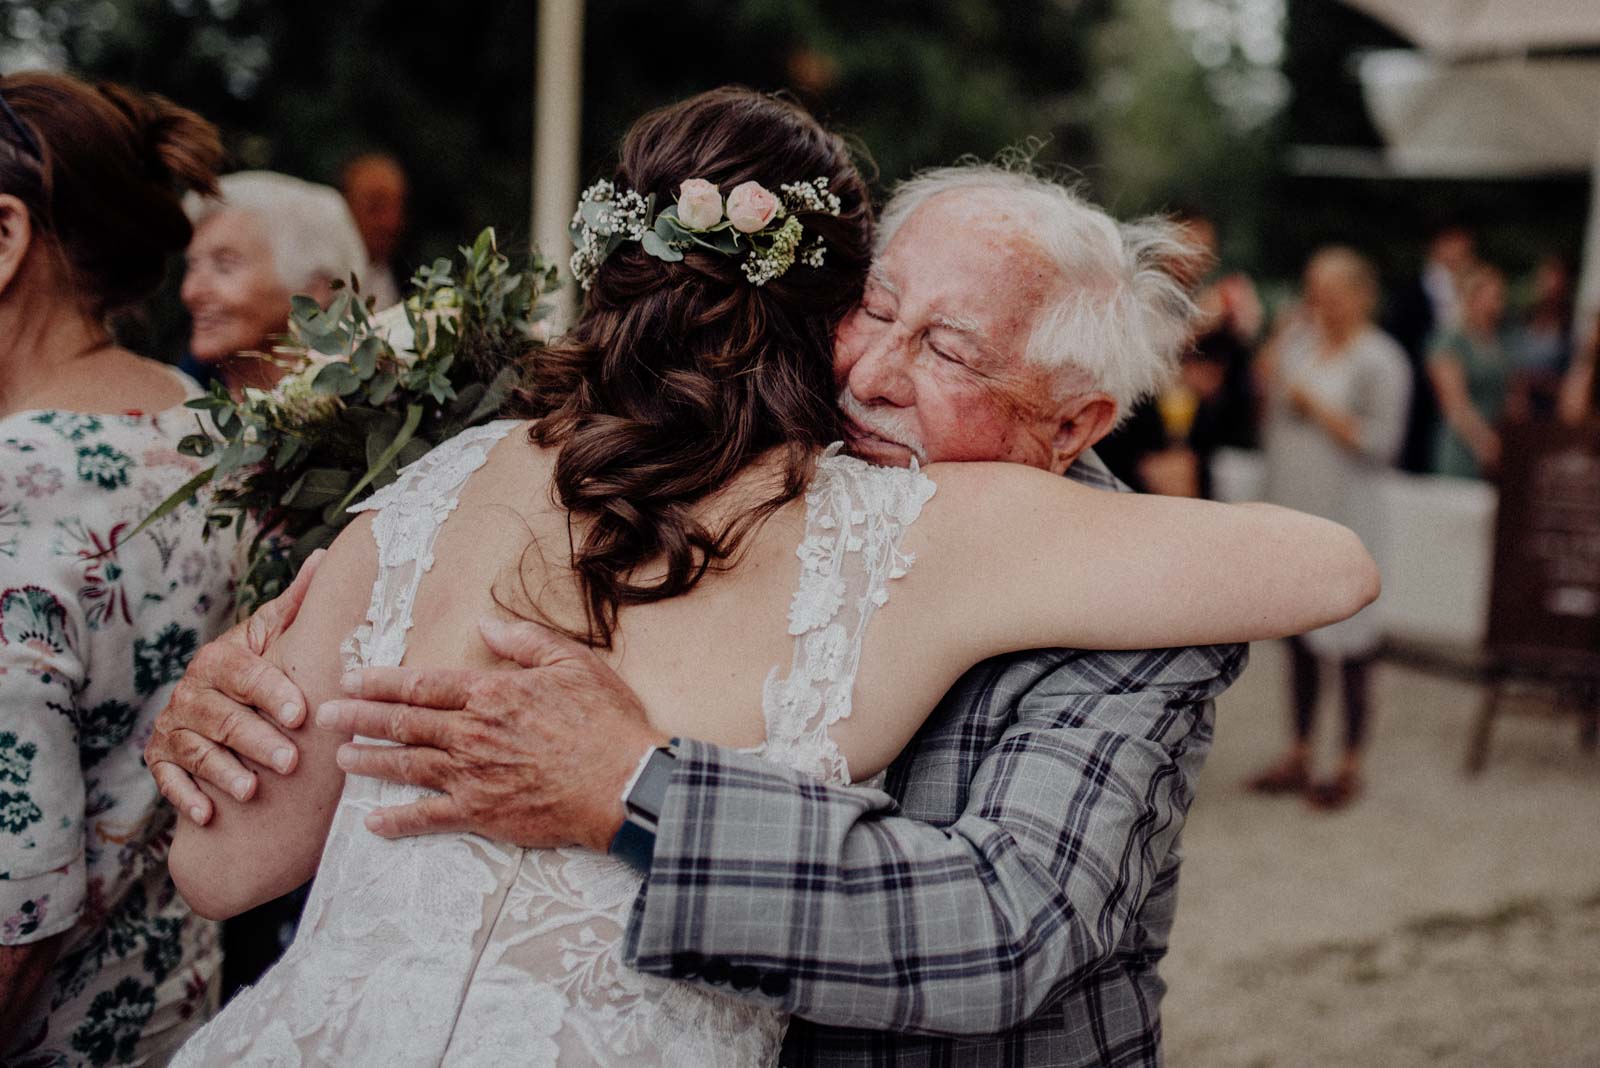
x: 1422, y: 307
x: 375, y: 187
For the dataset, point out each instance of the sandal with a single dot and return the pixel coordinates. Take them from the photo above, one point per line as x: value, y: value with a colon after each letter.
x: 1289, y: 778
x: 1334, y: 794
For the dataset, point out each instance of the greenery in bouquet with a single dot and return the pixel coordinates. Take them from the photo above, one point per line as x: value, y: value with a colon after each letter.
x: 365, y: 395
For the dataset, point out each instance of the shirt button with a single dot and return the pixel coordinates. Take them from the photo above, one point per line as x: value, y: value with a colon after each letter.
x: 744, y: 977
x: 716, y: 971
x: 687, y: 965
x: 774, y: 985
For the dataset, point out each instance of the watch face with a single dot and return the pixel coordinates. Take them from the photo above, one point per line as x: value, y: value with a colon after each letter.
x: 651, y: 789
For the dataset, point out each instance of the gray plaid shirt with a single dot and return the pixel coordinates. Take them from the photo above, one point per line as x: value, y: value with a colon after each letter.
x: 1005, y: 902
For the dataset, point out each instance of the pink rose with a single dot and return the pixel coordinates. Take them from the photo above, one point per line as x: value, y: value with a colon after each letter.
x: 751, y: 207
x: 699, y: 204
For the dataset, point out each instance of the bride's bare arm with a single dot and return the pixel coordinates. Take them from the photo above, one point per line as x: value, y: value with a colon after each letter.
x: 1034, y: 560
x: 253, y: 852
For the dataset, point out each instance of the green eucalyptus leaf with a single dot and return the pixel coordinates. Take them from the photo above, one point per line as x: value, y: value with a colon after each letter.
x: 364, y: 360
x: 230, y: 459
x: 495, y: 396
x: 336, y: 378
x: 382, y: 386
x: 288, y: 449
x: 467, y: 399
x: 318, y: 537
x: 197, y: 445
x: 413, y: 418
x: 414, y: 450
x: 317, y: 487
x: 660, y: 249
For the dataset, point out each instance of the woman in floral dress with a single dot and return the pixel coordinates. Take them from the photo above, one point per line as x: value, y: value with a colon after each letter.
x: 100, y: 961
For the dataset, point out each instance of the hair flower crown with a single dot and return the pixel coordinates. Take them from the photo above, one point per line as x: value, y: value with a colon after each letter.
x: 751, y: 222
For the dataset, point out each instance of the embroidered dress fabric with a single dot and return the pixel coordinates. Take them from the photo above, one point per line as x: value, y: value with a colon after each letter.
x: 459, y: 951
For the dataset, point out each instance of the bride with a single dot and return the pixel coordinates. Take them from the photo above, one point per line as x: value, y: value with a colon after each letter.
x: 676, y: 462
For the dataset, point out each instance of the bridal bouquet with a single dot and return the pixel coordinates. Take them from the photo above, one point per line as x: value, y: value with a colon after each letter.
x: 364, y: 396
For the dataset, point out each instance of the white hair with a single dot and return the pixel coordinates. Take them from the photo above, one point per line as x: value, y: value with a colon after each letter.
x: 312, y: 235
x: 1122, y: 318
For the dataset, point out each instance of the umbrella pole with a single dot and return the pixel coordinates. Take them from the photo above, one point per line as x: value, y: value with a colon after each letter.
x: 557, y: 108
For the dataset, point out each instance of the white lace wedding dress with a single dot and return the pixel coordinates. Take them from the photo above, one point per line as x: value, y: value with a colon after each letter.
x: 456, y: 950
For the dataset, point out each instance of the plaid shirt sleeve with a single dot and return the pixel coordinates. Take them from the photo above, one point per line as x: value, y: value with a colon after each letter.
x: 823, y: 901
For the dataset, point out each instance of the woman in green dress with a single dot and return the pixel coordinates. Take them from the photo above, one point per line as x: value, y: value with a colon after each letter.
x: 1469, y: 368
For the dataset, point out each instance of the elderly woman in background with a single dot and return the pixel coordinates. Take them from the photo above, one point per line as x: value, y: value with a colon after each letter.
x: 100, y: 961
x: 1469, y: 369
x: 263, y: 239
x: 1338, y: 390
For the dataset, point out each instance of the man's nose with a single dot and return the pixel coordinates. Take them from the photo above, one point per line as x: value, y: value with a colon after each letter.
x: 882, y: 374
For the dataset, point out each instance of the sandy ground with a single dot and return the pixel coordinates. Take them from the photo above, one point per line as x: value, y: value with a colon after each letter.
x: 1441, y: 920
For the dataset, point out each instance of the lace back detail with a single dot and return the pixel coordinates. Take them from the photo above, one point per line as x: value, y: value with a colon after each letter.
x: 856, y: 514
x: 411, y: 509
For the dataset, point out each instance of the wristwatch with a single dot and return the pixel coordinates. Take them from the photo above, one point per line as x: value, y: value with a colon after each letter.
x: 643, y: 798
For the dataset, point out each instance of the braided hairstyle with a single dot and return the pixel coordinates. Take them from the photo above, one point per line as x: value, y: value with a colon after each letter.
x: 678, y: 375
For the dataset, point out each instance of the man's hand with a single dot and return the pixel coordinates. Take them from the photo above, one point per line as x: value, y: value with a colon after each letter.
x: 214, y: 715
x: 534, y: 756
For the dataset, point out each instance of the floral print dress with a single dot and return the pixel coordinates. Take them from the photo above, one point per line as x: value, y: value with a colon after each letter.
x: 96, y: 626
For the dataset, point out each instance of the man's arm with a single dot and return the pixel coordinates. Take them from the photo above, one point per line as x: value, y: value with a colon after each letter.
x: 822, y: 901
x: 772, y: 886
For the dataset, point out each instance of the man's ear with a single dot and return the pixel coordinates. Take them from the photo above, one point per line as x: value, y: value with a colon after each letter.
x: 1083, y: 420
x: 16, y: 237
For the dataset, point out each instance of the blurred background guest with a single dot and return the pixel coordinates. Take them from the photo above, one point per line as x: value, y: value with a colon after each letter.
x: 1541, y: 345
x: 1338, y: 390
x: 1421, y: 309
x: 1580, y: 388
x: 376, y: 190
x: 1468, y: 369
x: 1167, y: 442
x: 100, y: 961
x: 264, y: 238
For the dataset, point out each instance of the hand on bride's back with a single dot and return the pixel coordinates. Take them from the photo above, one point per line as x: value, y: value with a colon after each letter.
x: 535, y: 754
x: 222, y: 710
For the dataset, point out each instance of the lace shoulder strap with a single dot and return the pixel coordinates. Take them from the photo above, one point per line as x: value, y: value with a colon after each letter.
x: 411, y: 509
x: 856, y: 515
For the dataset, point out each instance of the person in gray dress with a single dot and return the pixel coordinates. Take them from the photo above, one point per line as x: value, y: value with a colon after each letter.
x: 1338, y: 390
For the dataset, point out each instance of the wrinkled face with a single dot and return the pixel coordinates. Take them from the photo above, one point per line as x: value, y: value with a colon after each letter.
x: 930, y: 365
x: 376, y: 193
x: 231, y: 287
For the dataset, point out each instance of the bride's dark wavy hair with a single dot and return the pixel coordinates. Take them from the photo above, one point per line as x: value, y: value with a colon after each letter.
x: 678, y: 375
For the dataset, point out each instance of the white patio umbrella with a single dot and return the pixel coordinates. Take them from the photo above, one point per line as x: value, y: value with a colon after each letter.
x: 1496, y: 118
x: 1457, y: 28
x: 1452, y: 29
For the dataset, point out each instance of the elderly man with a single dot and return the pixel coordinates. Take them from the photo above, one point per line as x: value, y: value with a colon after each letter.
x: 1010, y: 897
